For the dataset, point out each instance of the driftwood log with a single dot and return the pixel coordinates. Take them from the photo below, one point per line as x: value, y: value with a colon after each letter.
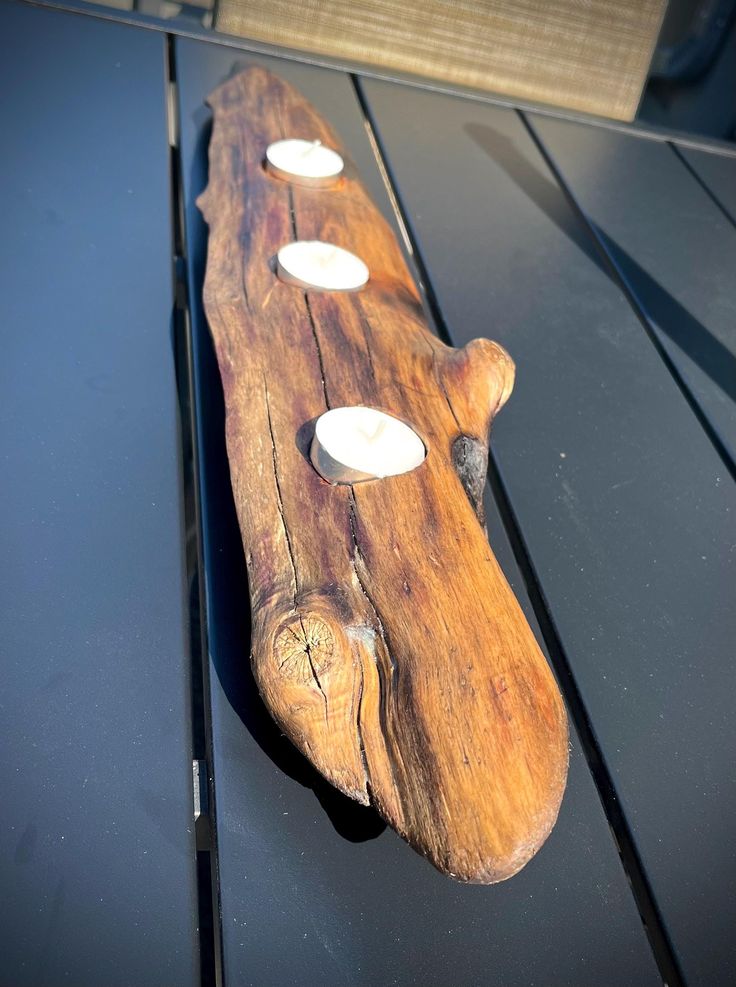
x: 386, y: 641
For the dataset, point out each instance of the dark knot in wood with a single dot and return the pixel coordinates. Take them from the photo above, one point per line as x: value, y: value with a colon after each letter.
x: 470, y: 459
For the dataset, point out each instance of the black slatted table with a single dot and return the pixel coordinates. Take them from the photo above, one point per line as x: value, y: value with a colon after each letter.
x: 603, y: 260
x: 97, y: 862
x: 671, y: 245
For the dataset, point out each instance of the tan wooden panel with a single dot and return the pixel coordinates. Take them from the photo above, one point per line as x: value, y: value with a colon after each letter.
x: 590, y: 56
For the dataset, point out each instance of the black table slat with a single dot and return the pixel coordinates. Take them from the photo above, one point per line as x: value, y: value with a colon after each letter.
x: 626, y: 509
x: 672, y: 245
x: 97, y: 854
x: 718, y: 174
x: 313, y: 891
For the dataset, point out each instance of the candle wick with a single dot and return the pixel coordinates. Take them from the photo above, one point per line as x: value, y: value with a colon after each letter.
x: 310, y: 149
x: 375, y: 434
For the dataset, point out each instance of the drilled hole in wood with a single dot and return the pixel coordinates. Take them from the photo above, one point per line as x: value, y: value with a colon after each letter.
x: 355, y: 444
x: 314, y: 265
x: 303, y: 162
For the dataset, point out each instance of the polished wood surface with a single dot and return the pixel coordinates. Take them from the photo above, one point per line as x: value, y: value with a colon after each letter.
x: 386, y: 640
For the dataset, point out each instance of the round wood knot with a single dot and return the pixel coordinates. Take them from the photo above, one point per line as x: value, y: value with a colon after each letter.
x: 304, y: 648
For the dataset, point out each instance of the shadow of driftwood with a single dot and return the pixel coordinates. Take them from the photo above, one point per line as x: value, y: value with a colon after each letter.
x: 662, y: 310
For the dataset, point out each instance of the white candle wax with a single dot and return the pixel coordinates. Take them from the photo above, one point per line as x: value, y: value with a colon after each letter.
x: 304, y: 162
x: 357, y: 443
x: 315, y: 265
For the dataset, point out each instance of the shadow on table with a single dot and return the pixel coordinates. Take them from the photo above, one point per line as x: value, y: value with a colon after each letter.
x: 664, y: 311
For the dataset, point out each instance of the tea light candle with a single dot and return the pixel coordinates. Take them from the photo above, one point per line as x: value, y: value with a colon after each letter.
x: 319, y: 266
x: 354, y: 444
x: 304, y: 162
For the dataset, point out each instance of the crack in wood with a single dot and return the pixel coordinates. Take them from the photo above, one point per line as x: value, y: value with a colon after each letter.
x: 292, y: 213
x: 315, y: 336
x: 352, y: 516
x: 312, y: 666
x: 279, y: 498
x: 440, y: 380
x: 310, y: 315
x: 246, y: 297
x: 384, y: 688
x: 367, y: 334
x: 356, y: 717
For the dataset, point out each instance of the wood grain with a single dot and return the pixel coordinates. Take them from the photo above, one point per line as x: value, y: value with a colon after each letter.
x: 592, y: 56
x: 386, y: 641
